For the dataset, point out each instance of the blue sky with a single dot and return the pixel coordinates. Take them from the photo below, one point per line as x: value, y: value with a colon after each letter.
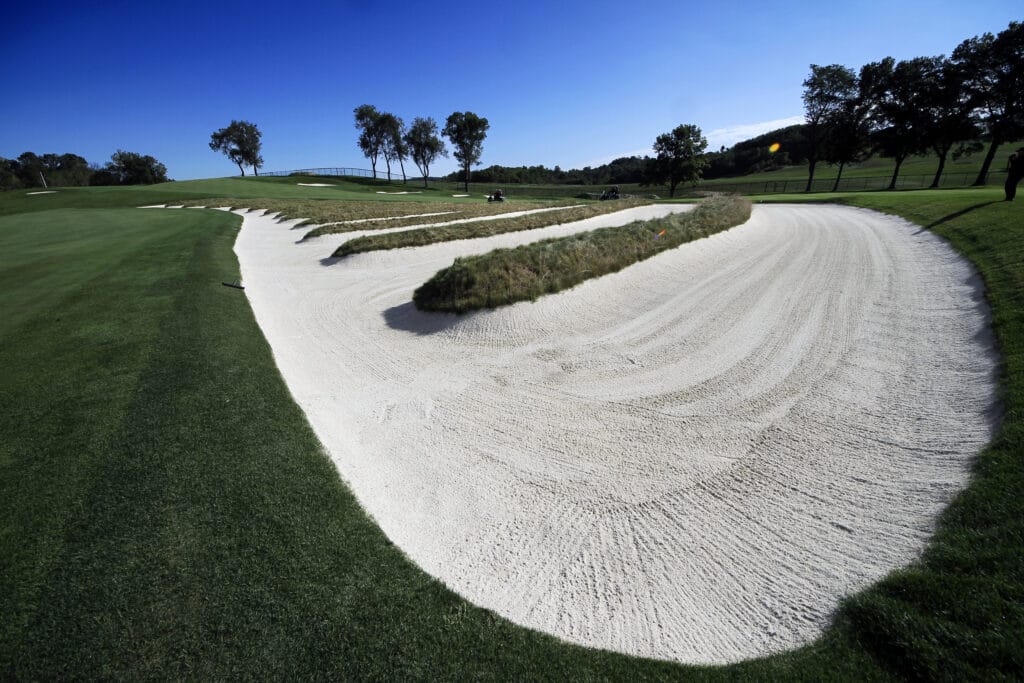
x: 562, y: 83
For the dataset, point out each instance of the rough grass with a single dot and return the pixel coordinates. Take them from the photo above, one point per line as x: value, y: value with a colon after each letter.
x: 505, y: 276
x: 477, y: 229
x: 166, y: 512
x: 332, y: 217
x: 460, y: 211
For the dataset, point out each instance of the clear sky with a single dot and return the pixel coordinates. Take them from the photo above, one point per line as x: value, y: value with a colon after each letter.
x: 562, y: 83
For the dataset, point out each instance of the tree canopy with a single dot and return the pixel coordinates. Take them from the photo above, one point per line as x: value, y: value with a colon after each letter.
x: 372, y: 137
x: 993, y: 71
x: 132, y: 168
x: 680, y: 156
x: 70, y: 170
x: 467, y: 132
x: 393, y: 147
x: 825, y: 92
x: 424, y: 145
x: 240, y: 142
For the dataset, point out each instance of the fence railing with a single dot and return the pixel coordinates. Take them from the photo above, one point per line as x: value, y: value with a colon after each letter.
x: 334, y: 171
x: 790, y: 186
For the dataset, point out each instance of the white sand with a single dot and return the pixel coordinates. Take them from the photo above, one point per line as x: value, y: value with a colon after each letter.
x: 317, y: 184
x: 695, y: 458
x: 41, y: 192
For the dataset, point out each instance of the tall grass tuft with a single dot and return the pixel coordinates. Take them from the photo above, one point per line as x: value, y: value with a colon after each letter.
x: 505, y: 276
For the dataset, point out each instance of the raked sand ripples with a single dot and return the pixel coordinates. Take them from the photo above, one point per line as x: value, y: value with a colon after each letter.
x: 693, y: 459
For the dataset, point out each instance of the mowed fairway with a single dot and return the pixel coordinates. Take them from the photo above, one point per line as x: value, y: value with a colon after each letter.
x: 693, y: 459
x: 166, y: 512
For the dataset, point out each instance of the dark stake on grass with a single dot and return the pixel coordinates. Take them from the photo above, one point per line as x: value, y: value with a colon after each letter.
x: 235, y: 284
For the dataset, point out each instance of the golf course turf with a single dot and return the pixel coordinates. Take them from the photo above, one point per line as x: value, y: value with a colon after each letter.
x: 167, y: 512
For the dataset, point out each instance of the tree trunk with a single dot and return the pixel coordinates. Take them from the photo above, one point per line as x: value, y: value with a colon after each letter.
x: 387, y: 160
x: 467, y: 177
x: 835, y: 187
x: 255, y: 170
x: 896, y: 173
x: 426, y: 172
x: 812, y: 162
x: 241, y: 169
x: 401, y: 163
x: 983, y: 173
x: 373, y: 165
x: 672, y: 187
x: 942, y: 165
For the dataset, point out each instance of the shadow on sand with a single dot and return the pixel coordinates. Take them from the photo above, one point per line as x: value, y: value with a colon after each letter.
x: 408, y: 318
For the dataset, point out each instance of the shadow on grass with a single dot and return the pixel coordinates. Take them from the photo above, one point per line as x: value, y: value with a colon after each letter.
x: 956, y: 214
x: 408, y: 318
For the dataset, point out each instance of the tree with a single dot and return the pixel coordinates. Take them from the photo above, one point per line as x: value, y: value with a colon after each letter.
x: 947, y: 108
x: 825, y: 91
x: 392, y: 128
x: 8, y: 174
x: 466, y: 131
x: 849, y: 137
x: 994, y: 76
x: 240, y: 142
x: 895, y: 92
x: 371, y: 133
x: 680, y: 157
x: 424, y: 145
x: 131, y: 168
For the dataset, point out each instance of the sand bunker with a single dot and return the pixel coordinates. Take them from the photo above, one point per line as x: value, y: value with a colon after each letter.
x: 693, y: 459
x: 41, y: 192
x: 317, y: 184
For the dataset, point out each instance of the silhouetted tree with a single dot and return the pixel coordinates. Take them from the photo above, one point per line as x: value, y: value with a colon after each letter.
x: 467, y: 132
x: 825, y: 91
x: 848, y: 140
x: 424, y: 145
x: 680, y: 157
x: 993, y: 68
x: 240, y: 142
x: 947, y: 109
x: 895, y: 92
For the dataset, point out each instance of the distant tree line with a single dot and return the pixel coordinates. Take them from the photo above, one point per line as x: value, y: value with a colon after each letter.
x: 384, y: 135
x: 70, y: 170
x: 926, y: 105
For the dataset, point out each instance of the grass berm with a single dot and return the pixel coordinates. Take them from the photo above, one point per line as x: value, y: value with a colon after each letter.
x: 505, y: 276
x: 420, y: 237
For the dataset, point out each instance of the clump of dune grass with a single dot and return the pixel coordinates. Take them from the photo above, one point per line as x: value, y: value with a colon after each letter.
x: 478, y: 229
x: 505, y: 276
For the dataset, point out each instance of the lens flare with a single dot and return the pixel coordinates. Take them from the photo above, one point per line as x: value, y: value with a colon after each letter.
x: 774, y: 147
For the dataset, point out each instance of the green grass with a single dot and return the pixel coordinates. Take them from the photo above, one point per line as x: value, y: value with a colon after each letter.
x: 166, y: 512
x: 348, y: 189
x: 505, y: 276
